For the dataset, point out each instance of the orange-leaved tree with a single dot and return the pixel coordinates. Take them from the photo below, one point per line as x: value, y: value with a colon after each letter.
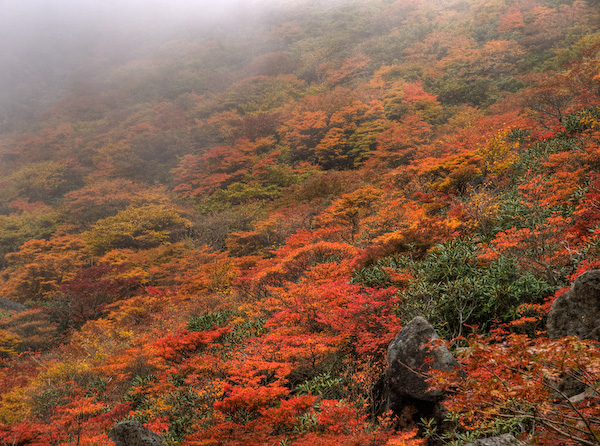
x: 516, y: 383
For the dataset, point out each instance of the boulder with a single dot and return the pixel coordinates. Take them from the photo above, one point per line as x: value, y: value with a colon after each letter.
x: 133, y: 433
x: 577, y: 311
x: 502, y: 440
x: 9, y: 305
x: 409, y: 357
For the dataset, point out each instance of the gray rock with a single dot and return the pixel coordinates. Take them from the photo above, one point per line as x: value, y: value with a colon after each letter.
x: 409, y: 358
x: 133, y: 433
x: 502, y: 440
x: 9, y: 305
x: 577, y: 311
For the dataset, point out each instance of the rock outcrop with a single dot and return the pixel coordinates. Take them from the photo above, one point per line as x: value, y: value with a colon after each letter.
x: 577, y: 311
x: 9, y: 305
x: 502, y: 440
x: 409, y: 357
x: 133, y: 433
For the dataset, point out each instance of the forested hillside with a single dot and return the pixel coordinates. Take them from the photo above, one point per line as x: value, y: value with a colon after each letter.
x: 218, y: 228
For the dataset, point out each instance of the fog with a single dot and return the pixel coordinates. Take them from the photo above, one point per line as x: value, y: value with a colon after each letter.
x: 47, y: 45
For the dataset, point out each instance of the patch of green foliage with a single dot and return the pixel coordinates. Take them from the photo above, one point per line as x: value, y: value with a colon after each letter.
x: 453, y: 288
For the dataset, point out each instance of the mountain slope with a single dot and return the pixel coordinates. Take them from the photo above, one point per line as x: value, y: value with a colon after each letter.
x: 219, y: 229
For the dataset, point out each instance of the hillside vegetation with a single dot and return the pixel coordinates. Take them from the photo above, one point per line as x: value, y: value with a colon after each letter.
x: 220, y: 233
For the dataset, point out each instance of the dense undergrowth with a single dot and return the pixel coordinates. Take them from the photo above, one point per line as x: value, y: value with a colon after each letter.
x: 222, y: 239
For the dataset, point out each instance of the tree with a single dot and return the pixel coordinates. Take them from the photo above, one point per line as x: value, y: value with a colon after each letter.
x: 36, y: 222
x: 549, y: 98
x: 32, y: 328
x: 87, y: 295
x: 302, y: 132
x: 138, y: 227
x: 351, y: 135
x: 217, y: 168
x: 349, y: 70
x: 45, y: 181
x: 40, y: 267
x: 350, y: 209
x: 498, y: 153
x: 106, y: 198
x: 513, y: 383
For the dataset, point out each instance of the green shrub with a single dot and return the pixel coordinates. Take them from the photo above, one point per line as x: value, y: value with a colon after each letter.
x: 451, y: 287
x: 532, y: 158
x: 209, y: 320
x: 581, y: 120
x: 325, y: 385
x: 375, y: 275
x: 241, y: 329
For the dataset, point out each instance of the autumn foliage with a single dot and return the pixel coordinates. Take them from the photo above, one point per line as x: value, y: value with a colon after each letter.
x: 221, y: 237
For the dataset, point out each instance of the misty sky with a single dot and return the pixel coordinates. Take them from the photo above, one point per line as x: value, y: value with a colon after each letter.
x: 44, y: 44
x: 33, y: 22
x: 48, y: 45
x: 33, y: 25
